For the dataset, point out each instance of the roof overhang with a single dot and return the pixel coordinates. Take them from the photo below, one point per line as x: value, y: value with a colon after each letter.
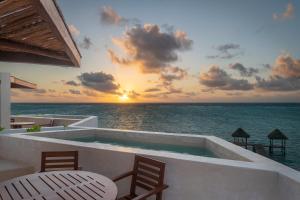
x: 34, y: 31
x: 19, y: 83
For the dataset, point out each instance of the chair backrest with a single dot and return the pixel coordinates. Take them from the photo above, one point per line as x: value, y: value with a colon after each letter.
x: 59, y: 160
x: 148, y: 174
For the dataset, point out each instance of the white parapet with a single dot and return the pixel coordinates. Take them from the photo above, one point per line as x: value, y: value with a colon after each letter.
x: 5, y: 100
x: 235, y: 173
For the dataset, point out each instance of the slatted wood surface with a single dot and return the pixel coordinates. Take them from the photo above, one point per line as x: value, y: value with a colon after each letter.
x: 35, y: 31
x: 59, y: 185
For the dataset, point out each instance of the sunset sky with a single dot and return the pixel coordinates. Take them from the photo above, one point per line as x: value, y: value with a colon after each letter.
x: 174, y: 51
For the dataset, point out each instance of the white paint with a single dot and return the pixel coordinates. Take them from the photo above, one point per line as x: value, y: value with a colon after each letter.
x: 5, y: 100
x: 43, y: 121
x: 89, y: 122
x: 189, y: 177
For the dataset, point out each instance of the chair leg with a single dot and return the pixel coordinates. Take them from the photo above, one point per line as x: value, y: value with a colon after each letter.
x: 159, y: 196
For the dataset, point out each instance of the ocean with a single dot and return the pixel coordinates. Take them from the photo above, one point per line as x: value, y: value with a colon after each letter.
x: 219, y: 119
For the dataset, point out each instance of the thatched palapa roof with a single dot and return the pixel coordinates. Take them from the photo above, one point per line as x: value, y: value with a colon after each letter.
x: 34, y: 31
x: 277, y: 135
x: 240, y: 133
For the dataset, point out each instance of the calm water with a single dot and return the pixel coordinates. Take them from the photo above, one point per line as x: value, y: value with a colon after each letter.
x: 210, y: 119
x: 165, y: 147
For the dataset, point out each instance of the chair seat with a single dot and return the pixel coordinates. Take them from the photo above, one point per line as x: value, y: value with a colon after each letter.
x: 127, y: 197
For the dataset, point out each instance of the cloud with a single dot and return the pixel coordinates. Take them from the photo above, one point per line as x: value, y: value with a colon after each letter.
x: 90, y: 93
x: 51, y: 90
x: 278, y: 83
x: 86, y: 43
x: 115, y: 59
x: 217, y: 78
x: 74, y: 31
x: 245, y: 72
x: 35, y: 92
x: 172, y: 90
x: 286, y: 66
x: 285, y: 75
x: 111, y: 17
x: 72, y: 83
x: 132, y: 94
x: 150, y: 48
x: 267, y: 66
x: 14, y: 93
x: 163, y: 94
x: 76, y: 92
x: 40, y: 91
x: 287, y: 14
x: 227, y: 51
x: 169, y: 74
x: 152, y: 90
x: 99, y: 81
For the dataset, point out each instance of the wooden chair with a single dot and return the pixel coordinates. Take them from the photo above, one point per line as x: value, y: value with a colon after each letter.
x: 147, y: 174
x: 59, y: 160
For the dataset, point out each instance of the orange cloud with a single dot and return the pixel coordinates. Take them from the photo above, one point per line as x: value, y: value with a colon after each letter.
x: 287, y: 14
x: 287, y: 66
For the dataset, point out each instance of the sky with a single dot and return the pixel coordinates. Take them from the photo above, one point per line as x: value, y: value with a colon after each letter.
x: 174, y: 51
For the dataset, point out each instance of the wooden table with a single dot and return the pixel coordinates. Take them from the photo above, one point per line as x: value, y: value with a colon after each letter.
x: 20, y: 124
x: 59, y: 185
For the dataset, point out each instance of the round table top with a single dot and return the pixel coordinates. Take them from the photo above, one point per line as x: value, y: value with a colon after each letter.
x: 59, y: 185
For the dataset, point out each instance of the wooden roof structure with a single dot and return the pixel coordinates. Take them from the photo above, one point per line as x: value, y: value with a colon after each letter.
x: 19, y: 83
x: 34, y: 31
x: 277, y: 135
x: 240, y: 133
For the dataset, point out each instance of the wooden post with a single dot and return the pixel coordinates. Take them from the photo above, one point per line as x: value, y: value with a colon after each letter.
x: 284, y: 147
x: 270, y: 151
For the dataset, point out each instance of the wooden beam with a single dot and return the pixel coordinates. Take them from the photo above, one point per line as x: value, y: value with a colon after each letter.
x: 19, y: 83
x: 19, y: 47
x: 21, y: 57
x: 10, y: 6
x: 50, y: 12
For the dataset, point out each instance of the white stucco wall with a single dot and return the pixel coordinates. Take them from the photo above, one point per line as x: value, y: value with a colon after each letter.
x: 5, y: 100
x: 45, y: 120
x: 189, y: 177
x: 89, y: 122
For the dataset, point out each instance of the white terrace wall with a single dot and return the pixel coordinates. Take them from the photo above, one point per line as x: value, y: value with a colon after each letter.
x: 188, y: 179
x: 90, y: 122
x: 44, y: 121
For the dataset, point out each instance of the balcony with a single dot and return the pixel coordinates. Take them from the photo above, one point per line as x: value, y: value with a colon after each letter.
x: 232, y: 173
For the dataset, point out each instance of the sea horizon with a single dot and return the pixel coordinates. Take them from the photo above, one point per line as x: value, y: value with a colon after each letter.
x: 155, y: 103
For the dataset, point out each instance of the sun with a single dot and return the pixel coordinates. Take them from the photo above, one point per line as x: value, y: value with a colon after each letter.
x: 124, y: 98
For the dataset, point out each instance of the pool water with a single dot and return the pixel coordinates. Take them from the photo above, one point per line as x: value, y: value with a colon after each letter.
x: 191, y: 150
